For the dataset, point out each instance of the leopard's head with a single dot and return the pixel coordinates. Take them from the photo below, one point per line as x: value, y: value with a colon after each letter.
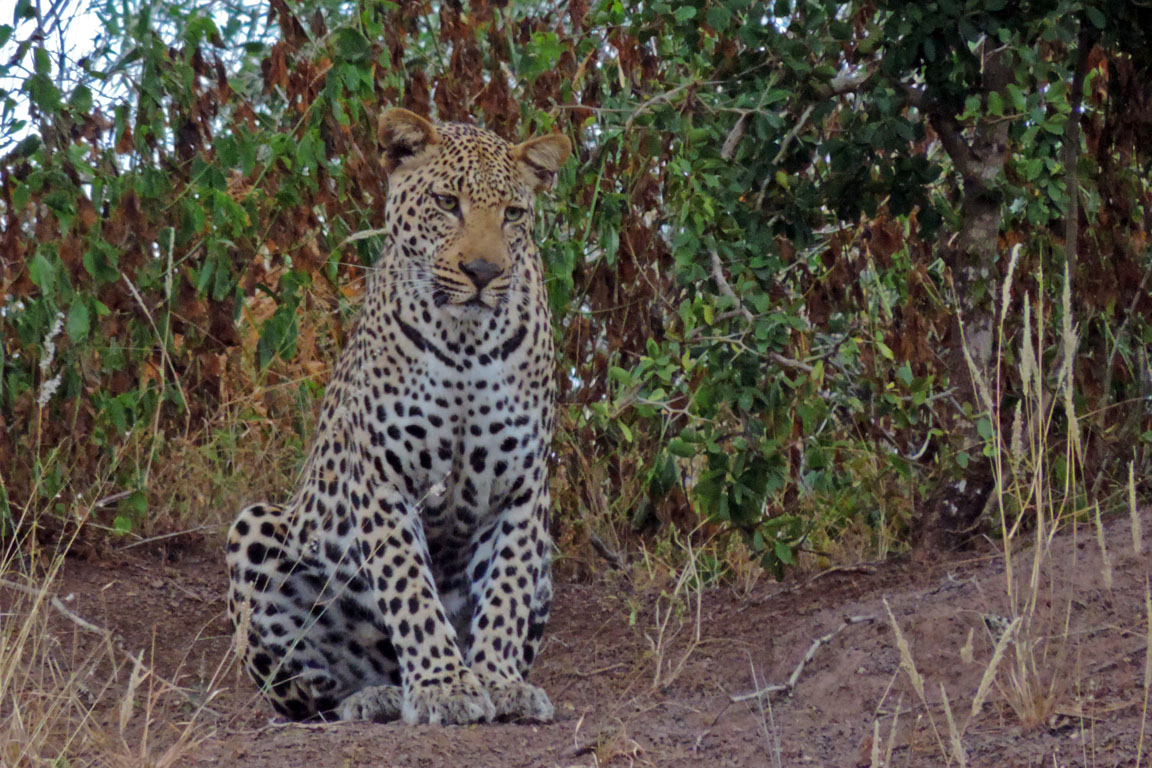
x: 460, y: 207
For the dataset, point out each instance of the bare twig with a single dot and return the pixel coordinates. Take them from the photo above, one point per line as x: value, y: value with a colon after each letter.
x: 791, y: 135
x: 704, y: 734
x: 108, y: 500
x: 161, y: 537
x: 725, y: 288
x: 657, y: 99
x: 728, y: 151
x: 864, y: 568
x: 848, y: 81
x: 600, y: 671
x: 1086, y: 41
x: 794, y: 678
x: 951, y: 135
x: 56, y: 603
x: 1121, y: 329
x: 614, y: 559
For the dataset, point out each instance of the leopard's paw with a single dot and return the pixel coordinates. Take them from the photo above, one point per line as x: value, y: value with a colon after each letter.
x: 456, y: 702
x: 518, y: 700
x: 378, y: 703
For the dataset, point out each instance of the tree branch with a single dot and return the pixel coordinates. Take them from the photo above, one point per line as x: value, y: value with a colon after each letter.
x: 950, y: 133
x: 848, y: 81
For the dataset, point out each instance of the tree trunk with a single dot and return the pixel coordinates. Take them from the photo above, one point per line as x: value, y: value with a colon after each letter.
x: 952, y: 513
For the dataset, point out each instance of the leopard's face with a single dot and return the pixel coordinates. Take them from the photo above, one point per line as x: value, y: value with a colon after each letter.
x: 460, y: 208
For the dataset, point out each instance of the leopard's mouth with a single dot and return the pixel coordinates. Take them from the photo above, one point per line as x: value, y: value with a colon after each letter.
x: 485, y: 300
x: 476, y: 301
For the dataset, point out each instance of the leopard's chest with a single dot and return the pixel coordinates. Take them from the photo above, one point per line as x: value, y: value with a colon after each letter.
x: 458, y: 440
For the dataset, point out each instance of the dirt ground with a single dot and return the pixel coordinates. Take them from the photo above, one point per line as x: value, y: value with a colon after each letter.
x: 598, y: 666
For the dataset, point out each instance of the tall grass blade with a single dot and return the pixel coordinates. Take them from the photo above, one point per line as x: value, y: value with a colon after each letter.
x: 1134, y: 513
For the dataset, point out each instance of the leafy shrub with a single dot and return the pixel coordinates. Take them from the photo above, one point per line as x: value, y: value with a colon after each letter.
x: 756, y: 263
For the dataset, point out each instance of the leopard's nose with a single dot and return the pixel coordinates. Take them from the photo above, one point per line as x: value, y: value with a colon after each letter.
x: 481, y: 272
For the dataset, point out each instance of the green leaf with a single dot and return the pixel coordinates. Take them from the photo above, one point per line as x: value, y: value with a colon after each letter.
x: 619, y: 375
x: 718, y: 17
x: 681, y: 448
x: 543, y: 52
x: 904, y: 373
x: 20, y: 196
x: 101, y: 261
x: 305, y: 153
x: 1095, y: 16
x: 43, y: 93
x: 984, y: 429
x: 1016, y: 95
x: 137, y: 502
x: 81, y: 100
x: 995, y: 104
x: 352, y: 45
x: 42, y: 272
x: 27, y: 146
x: 278, y: 336
x: 684, y: 13
x: 41, y: 61
x: 784, y: 553
x: 78, y: 323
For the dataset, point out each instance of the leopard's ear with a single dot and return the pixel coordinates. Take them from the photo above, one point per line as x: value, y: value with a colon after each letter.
x: 405, y: 137
x: 539, y: 159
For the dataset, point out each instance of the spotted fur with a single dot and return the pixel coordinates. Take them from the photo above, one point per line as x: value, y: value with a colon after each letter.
x: 409, y: 576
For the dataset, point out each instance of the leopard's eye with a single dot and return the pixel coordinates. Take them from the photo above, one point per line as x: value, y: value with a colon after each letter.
x: 448, y: 203
x: 512, y: 214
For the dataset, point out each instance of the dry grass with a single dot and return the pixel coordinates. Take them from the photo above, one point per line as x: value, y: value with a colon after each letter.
x: 876, y: 757
x: 242, y: 457
x: 71, y: 694
x: 915, y: 679
x: 678, y: 612
x: 1034, y: 505
x: 1032, y: 664
x: 46, y: 698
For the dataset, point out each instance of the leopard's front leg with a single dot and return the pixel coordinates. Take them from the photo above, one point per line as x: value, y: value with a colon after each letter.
x: 511, y: 598
x: 439, y: 688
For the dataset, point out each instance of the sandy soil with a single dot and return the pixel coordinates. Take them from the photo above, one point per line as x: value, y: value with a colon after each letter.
x: 598, y: 666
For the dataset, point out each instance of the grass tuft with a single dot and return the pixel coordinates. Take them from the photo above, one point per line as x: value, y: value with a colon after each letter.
x: 675, y: 611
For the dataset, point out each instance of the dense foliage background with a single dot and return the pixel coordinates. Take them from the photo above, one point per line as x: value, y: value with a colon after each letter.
x: 780, y: 218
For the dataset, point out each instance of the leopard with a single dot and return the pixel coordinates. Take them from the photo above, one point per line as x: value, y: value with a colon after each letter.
x: 408, y: 577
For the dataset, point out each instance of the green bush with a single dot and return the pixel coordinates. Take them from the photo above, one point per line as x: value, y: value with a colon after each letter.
x: 756, y: 263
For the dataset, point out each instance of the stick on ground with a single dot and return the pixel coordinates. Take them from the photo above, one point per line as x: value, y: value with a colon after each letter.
x: 794, y: 678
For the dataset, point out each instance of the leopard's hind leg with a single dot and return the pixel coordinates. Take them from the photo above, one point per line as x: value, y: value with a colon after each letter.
x: 311, y: 645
